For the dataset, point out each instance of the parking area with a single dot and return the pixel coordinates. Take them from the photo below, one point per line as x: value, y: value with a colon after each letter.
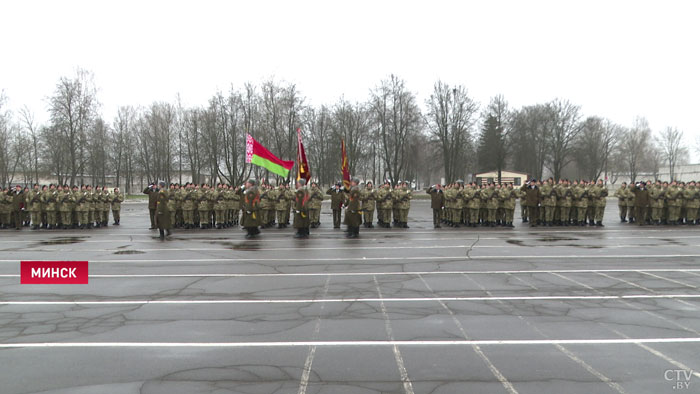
x: 419, y: 310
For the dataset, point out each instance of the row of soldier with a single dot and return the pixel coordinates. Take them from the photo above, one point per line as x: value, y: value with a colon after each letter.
x: 201, y: 206
x: 659, y: 203
x: 59, y: 207
x: 542, y: 203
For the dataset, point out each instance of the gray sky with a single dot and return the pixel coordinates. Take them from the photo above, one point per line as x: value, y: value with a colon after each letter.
x: 617, y: 59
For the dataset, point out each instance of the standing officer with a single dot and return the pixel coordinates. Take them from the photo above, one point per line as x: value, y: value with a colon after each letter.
x: 509, y: 195
x: 403, y: 204
x: 337, y: 202
x: 473, y: 197
x: 203, y: 206
x: 384, y: 202
x: 599, y: 196
x: 250, y: 202
x: 65, y: 206
x: 368, y: 196
x: 621, y: 195
x: 315, y: 201
x: 301, y: 210
x: 18, y: 202
x: 188, y: 201
x: 437, y: 203
x: 33, y: 202
x: 641, y: 202
x: 282, y: 204
x: 163, y: 211
x: 690, y: 194
x: 50, y: 199
x: 152, y: 197
x: 219, y: 206
x: 656, y: 202
x: 353, y: 217
x: 5, y: 208
x: 674, y: 202
x: 532, y: 200
x: 116, y: 199
x: 236, y: 205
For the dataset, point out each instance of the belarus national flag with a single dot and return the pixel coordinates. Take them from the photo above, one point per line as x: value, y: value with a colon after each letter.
x: 259, y: 155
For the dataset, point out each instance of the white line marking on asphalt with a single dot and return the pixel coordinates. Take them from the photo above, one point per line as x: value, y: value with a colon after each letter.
x: 407, y: 385
x: 304, y: 381
x: 657, y: 353
x: 180, y: 237
x: 669, y: 280
x: 561, y: 348
x: 669, y: 321
x: 257, y: 249
x: 485, y: 342
x: 411, y: 258
x: 501, y: 378
x: 406, y: 273
x: 644, y: 288
x: 369, y: 299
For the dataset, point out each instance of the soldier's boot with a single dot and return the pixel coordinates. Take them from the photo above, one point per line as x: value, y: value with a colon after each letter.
x: 162, y: 234
x: 218, y: 226
x: 510, y: 224
x: 405, y: 225
x: 168, y: 232
x: 600, y: 223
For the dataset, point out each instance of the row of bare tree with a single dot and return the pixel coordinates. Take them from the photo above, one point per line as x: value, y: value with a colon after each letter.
x: 388, y: 136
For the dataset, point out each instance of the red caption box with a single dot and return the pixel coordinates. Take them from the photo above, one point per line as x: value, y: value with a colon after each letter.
x: 54, y: 273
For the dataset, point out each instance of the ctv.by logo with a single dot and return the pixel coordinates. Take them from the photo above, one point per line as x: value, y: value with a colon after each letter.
x: 680, y: 377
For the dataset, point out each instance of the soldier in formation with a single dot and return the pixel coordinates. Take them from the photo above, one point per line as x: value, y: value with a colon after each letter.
x: 55, y: 207
x: 353, y: 211
x: 659, y: 203
x: 302, y: 221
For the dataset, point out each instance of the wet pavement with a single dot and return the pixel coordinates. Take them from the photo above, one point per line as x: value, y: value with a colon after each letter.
x: 419, y: 310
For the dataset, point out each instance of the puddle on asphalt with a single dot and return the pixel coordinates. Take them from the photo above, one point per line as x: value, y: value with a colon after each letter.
x: 516, y: 242
x: 554, y: 238
x: 239, y: 245
x: 584, y: 246
x: 62, y: 241
x: 129, y: 252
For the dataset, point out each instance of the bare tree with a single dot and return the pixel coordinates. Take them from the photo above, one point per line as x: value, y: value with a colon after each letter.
x: 673, y: 152
x: 73, y: 108
x: 351, y: 123
x: 594, y: 146
x: 398, y: 120
x: 565, y: 128
x: 29, y: 123
x: 450, y: 120
x: 123, y: 146
x: 529, y: 138
x: 635, y: 147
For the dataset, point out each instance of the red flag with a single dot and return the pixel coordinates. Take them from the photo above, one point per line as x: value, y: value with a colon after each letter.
x: 344, y: 165
x: 303, y: 170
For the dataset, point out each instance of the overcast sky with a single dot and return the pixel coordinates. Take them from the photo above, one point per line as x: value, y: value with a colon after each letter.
x: 617, y: 59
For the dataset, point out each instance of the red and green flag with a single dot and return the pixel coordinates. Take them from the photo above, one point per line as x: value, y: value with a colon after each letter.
x: 257, y: 154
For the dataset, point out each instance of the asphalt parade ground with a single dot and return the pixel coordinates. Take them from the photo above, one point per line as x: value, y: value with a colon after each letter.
x: 524, y: 310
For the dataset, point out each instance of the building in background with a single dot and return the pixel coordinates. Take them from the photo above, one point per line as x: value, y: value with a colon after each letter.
x: 516, y: 178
